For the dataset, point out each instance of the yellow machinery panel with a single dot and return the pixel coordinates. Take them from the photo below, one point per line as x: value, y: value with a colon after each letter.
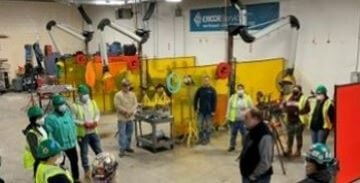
x: 159, y: 68
x: 257, y: 76
x: 260, y: 75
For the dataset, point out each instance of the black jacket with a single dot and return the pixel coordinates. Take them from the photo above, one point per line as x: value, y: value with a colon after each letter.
x: 250, y: 156
x: 320, y: 177
x: 205, y: 100
x: 317, y: 122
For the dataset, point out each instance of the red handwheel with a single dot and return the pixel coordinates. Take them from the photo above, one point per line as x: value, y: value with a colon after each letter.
x: 223, y: 71
x: 80, y: 58
x: 133, y: 64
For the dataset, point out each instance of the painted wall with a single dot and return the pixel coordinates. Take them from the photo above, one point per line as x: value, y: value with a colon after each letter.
x: 24, y: 23
x: 326, y: 49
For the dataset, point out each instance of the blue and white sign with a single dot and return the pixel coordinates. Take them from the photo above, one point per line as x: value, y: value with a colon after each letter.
x: 213, y: 19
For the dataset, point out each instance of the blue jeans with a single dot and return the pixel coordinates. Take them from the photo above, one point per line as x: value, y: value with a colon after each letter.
x: 125, y: 130
x: 235, y: 127
x: 265, y: 179
x: 319, y: 136
x: 94, y: 141
x: 204, y: 127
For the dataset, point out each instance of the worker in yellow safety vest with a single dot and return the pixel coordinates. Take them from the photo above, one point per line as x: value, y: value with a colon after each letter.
x: 35, y: 133
x: 149, y: 98
x: 162, y: 100
x: 297, y: 108
x: 49, y: 170
x: 322, y: 116
x: 87, y: 117
x: 238, y: 104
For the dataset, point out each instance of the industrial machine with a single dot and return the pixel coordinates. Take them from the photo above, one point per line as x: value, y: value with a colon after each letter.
x: 286, y: 78
x: 140, y: 36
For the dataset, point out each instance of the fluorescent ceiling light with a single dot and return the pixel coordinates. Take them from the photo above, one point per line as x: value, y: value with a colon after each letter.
x: 174, y: 1
x: 104, y: 2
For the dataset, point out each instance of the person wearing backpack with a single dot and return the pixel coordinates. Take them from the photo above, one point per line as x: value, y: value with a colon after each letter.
x: 35, y: 134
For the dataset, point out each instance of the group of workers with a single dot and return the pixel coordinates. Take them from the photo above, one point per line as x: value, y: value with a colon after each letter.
x: 51, y: 137
x: 258, y: 142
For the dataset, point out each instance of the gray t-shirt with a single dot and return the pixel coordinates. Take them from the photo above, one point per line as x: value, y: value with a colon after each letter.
x: 241, y: 107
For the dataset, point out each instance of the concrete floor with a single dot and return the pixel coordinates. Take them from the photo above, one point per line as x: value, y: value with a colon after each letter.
x: 201, y: 164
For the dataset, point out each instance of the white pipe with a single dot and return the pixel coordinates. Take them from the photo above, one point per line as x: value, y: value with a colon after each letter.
x: 103, y: 51
x: 271, y: 28
x: 57, y: 48
x: 243, y: 17
x: 293, y: 49
x: 71, y: 32
x: 128, y: 33
x: 358, y: 50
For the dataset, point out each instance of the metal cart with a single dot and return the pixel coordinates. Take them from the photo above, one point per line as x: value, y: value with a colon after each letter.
x: 152, y: 140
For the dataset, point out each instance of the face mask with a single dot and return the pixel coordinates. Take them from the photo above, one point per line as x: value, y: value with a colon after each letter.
x: 320, y: 97
x: 40, y: 121
x: 59, y: 160
x: 84, y: 98
x: 240, y: 92
x: 62, y: 108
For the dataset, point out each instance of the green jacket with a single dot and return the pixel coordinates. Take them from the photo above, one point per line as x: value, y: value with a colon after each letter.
x: 62, y: 129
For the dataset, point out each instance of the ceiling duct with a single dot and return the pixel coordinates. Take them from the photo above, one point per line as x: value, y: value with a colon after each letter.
x: 103, y: 2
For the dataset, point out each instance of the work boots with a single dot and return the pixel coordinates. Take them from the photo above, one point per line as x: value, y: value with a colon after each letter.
x: 297, y: 153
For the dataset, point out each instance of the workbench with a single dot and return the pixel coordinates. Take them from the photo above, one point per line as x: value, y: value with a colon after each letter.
x: 47, y: 91
x: 153, y: 140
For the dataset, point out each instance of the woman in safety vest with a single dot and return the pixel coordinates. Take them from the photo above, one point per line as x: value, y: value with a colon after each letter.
x: 49, y: 170
x: 297, y: 108
x: 35, y: 133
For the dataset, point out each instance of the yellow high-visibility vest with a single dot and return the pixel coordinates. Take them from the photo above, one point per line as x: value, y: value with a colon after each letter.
x: 325, y: 109
x: 162, y: 99
x: 45, y: 171
x: 233, y: 105
x: 28, y: 158
x: 79, y: 113
x: 149, y: 102
x: 304, y: 118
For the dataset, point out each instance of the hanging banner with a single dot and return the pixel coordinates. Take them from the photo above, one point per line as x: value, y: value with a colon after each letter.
x: 214, y: 19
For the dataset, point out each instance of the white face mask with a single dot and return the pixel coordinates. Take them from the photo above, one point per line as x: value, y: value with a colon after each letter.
x: 320, y: 97
x: 84, y: 98
x: 40, y: 121
x: 62, y: 108
x: 240, y: 92
x: 59, y: 160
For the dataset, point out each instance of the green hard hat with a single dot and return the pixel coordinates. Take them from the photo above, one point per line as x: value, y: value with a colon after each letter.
x: 48, y: 148
x: 58, y: 100
x: 321, y: 89
x: 35, y: 111
x: 320, y: 153
x: 83, y: 89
